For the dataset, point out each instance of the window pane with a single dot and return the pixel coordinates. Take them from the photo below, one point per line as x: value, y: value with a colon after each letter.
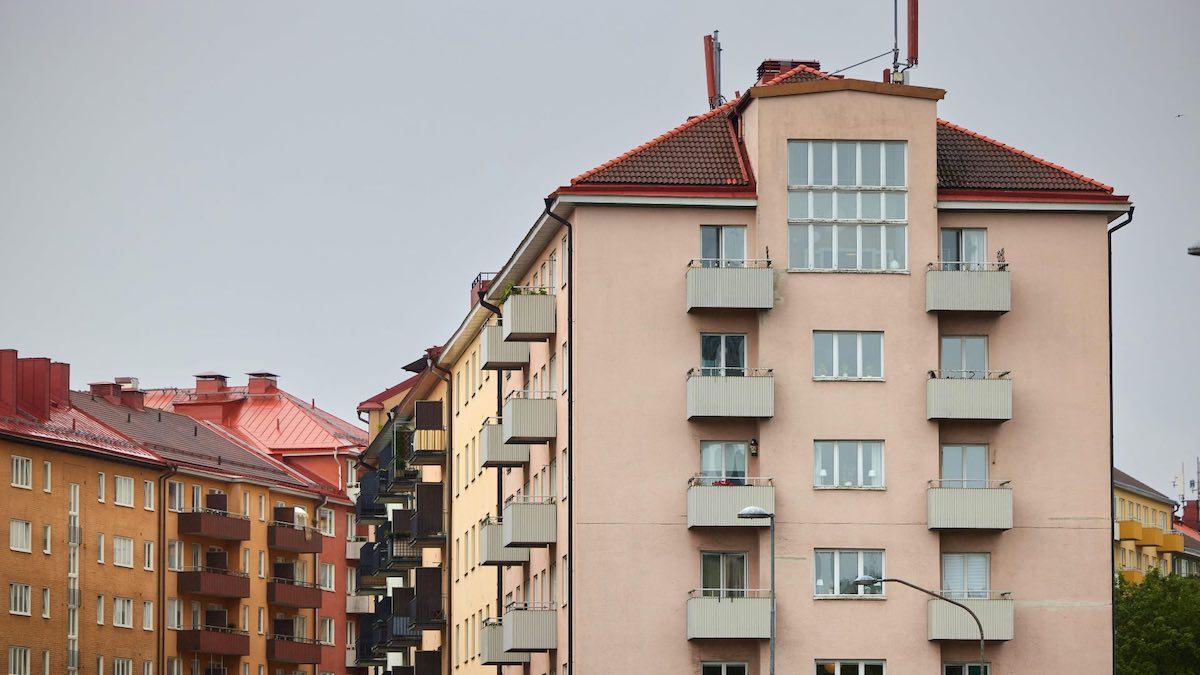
x: 847, y: 164
x: 716, y: 669
x: 896, y: 257
x: 952, y: 466
x: 975, y: 466
x: 711, y: 458
x: 872, y: 247
x: 872, y: 354
x: 848, y: 668
x: 710, y: 572
x: 953, y: 670
x: 975, y: 357
x: 873, y: 669
x: 847, y: 572
x: 734, y: 245
x: 974, y: 246
x: 710, y: 243
x: 797, y: 162
x: 847, y: 205
x: 823, y: 464
x: 823, y: 354
x: 847, y: 354
x: 823, y: 247
x: 710, y: 352
x: 824, y: 573
x: 872, y: 205
x: 873, y: 567
x: 894, y: 206
x: 798, y: 204
x: 949, y: 247
x: 894, y: 159
x: 870, y: 163
x: 822, y: 205
x: 952, y: 364
x: 735, y: 354
x: 735, y: 572
x: 847, y: 464
x: 872, y: 458
x: 822, y: 161
x: 735, y: 669
x: 798, y: 247
x: 735, y: 460
x: 847, y: 245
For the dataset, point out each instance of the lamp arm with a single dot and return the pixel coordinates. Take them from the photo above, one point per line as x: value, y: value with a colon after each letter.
x: 953, y: 602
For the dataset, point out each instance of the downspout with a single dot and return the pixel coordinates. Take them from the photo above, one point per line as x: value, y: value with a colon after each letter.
x: 569, y: 256
x: 316, y: 570
x: 161, y: 644
x: 1111, y: 432
x: 499, y: 475
x: 444, y: 376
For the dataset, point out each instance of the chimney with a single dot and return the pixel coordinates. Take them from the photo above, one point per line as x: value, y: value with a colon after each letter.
x: 109, y: 391
x: 261, y: 382
x: 772, y: 68
x: 133, y: 398
x: 210, y: 382
x: 60, y: 384
x: 1191, y: 514
x: 8, y: 382
x: 33, y: 387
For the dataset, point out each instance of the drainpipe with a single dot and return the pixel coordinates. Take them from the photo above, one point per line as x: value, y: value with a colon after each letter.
x: 444, y: 376
x: 316, y: 570
x: 569, y: 256
x: 161, y: 643
x: 1111, y: 433
x: 499, y: 475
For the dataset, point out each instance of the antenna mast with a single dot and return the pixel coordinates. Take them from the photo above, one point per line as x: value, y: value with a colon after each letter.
x: 712, y: 68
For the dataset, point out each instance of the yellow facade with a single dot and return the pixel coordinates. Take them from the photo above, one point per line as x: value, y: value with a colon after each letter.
x: 1142, y: 538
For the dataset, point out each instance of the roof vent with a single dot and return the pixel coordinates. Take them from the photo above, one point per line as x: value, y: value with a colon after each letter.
x: 261, y: 382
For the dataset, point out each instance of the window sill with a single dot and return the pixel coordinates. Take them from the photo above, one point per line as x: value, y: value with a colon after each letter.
x: 851, y: 598
x: 851, y: 488
x: 849, y: 379
x: 800, y: 270
x: 21, y: 487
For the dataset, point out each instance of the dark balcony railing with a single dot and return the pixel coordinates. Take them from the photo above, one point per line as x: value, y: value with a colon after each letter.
x: 429, y: 520
x: 428, y: 663
x: 369, y: 576
x: 214, y: 640
x: 214, y: 582
x: 284, y: 535
x: 398, y: 556
x: 214, y: 524
x: 288, y: 649
x: 396, y: 477
x: 367, y: 648
x: 286, y: 592
x: 367, y: 507
x: 427, y: 607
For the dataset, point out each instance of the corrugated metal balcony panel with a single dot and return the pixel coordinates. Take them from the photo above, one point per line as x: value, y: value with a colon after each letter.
x: 491, y: 646
x: 529, y: 420
x: 293, y: 650
x: 985, y: 290
x: 216, y: 642
x: 491, y: 546
x: 351, y: 658
x: 214, y: 583
x: 428, y: 448
x: 530, y: 627
x: 294, y: 595
x: 529, y: 317
x: 1172, y: 543
x: 980, y: 400
x: 1151, y: 536
x: 1129, y: 530
x: 731, y: 396
x: 359, y: 604
x: 948, y: 622
x: 959, y: 508
x: 750, y: 288
x: 716, y: 617
x: 530, y: 521
x: 494, y: 452
x: 402, y: 632
x: 718, y: 505
x: 285, y: 537
x: 501, y: 355
x: 214, y: 525
x: 428, y: 608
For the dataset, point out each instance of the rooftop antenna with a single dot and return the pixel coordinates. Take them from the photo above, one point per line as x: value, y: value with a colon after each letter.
x: 899, y: 70
x: 712, y: 69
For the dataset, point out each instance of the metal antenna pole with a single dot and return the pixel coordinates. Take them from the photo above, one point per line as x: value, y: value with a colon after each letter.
x: 895, y: 36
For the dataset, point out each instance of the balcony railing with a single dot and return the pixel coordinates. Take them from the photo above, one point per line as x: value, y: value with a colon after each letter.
x: 994, y: 609
x: 529, y: 314
x: 285, y: 592
x: 428, y: 605
x: 285, y: 536
x: 428, y: 448
x: 368, y: 646
x: 714, y: 501
x: 354, y: 548
x: 1133, y: 575
x: 214, y: 582
x: 530, y: 417
x: 214, y: 524
x: 1151, y: 536
x: 501, y: 355
x: 1172, y: 542
x: 730, y: 284
x: 491, y: 646
x: 730, y: 392
x: 491, y: 545
x: 530, y: 627
x: 969, y: 505
x: 359, y: 604
x: 368, y: 508
x: 494, y: 452
x: 289, y: 649
x: 1129, y: 530
x: 369, y: 578
x: 402, y: 632
x: 968, y: 287
x: 530, y: 521
x: 976, y: 395
x: 399, y: 556
x: 427, y: 662
x: 728, y: 614
x: 216, y: 640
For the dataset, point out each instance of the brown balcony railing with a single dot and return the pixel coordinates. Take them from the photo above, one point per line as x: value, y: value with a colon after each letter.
x: 214, y: 524
x: 286, y: 536
x: 214, y: 582
x: 286, y: 592
x: 214, y: 640
x: 288, y: 649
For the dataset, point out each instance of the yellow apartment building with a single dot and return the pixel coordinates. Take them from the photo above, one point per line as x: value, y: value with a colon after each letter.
x: 1142, y: 535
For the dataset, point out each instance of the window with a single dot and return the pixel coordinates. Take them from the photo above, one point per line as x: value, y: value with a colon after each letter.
x: 262, y: 564
x: 46, y: 539
x: 148, y: 615
x: 963, y: 249
x: 18, y: 661
x: 245, y: 618
x: 46, y: 476
x: 262, y: 507
x: 18, y: 599
x: 723, y: 574
x: 148, y: 555
x: 722, y: 461
x: 965, y: 575
x: 46, y: 662
x: 20, y: 535
x: 836, y: 570
x: 722, y: 354
x: 100, y: 547
x: 326, y: 576
x: 723, y: 669
x: 722, y: 246
x: 122, y: 551
x: 964, y: 466
x: 22, y: 472
x: 847, y: 355
x: 100, y: 609
x: 99, y: 665
x: 122, y: 666
x: 174, y: 666
x: 847, y: 205
x: 175, y: 556
x: 246, y: 561
x: 148, y: 495
x: 964, y: 357
x: 261, y: 621
x: 553, y: 271
x: 100, y: 482
x: 848, y: 464
x: 147, y: 668
x: 850, y: 667
x: 174, y: 496
x: 326, y: 631
x: 123, y: 612
x: 45, y: 602
x: 197, y: 502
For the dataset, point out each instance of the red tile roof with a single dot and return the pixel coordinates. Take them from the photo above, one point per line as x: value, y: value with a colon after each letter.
x: 967, y: 159
x: 376, y: 401
x: 71, y: 427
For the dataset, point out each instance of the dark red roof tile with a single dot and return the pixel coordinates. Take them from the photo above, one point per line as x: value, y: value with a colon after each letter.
x: 970, y: 160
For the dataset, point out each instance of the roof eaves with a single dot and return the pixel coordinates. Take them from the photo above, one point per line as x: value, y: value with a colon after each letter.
x: 1027, y: 155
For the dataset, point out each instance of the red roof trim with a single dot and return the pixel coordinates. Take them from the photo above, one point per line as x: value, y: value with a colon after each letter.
x: 642, y: 189
x: 1048, y: 196
x: 1039, y: 160
x: 376, y: 401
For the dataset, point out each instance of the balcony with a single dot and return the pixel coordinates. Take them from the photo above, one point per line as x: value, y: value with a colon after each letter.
x: 529, y: 627
x: 354, y: 549
x: 214, y: 524
x: 427, y: 607
x: 284, y: 534
x: 725, y: 614
x: 491, y: 646
x: 948, y: 622
x: 1129, y: 530
x: 402, y: 633
x: 715, y: 502
x: 730, y: 392
x: 726, y: 284
x: 368, y: 509
x: 1172, y: 543
x: 368, y: 647
x: 427, y: 662
x: 491, y: 546
x: 428, y: 448
x: 398, y: 557
x: 369, y: 578
x: 529, y: 314
x: 399, y: 524
x: 288, y: 649
x: 494, y: 452
x: 285, y: 592
x: 969, y: 505
x: 980, y: 396
x: 428, y: 522
x: 396, y: 478
x: 360, y: 604
x: 529, y: 521
x: 968, y: 287
x: 1133, y: 576
x: 501, y: 355
x: 529, y: 417
x: 1151, y: 536
x: 214, y: 640
x: 214, y: 582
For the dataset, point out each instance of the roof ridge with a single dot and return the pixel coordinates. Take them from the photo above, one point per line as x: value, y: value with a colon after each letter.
x: 800, y: 68
x: 689, y: 123
x: 1023, y: 153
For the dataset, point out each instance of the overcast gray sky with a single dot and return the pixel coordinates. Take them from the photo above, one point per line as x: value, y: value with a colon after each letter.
x: 310, y: 187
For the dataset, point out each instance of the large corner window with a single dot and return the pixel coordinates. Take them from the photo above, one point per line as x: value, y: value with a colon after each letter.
x: 847, y: 206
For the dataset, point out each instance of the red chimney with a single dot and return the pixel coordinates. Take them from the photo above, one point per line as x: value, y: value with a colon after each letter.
x: 261, y: 382
x: 210, y: 382
x: 1191, y: 514
x: 133, y: 398
x: 772, y: 68
x: 109, y: 391
x: 33, y: 387
x: 8, y: 382
x: 60, y: 384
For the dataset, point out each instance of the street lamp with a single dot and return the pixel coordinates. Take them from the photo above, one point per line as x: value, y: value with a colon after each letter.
x: 868, y: 580
x: 1194, y: 249
x: 758, y: 513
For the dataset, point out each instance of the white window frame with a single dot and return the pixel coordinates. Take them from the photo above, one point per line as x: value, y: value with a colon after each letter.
x: 18, y: 660
x: 45, y: 602
x: 725, y: 665
x: 100, y: 610
x: 839, y: 664
x: 962, y: 559
x: 175, y: 555
x: 122, y: 666
x: 20, y: 600
x: 22, y: 472
x: 174, y: 496
x: 174, y: 614
x: 148, y: 495
x: 47, y: 476
x: 100, y: 486
x: 325, y: 576
x: 724, y: 258
x: 147, y: 615
x: 20, y: 535
x: 46, y: 538
x: 148, y: 555
x: 326, y: 630
x: 722, y: 369
x: 100, y: 544
x: 122, y: 612
x: 858, y: 447
x: 859, y: 365
x: 859, y: 591
x: 325, y: 519
x: 122, y: 551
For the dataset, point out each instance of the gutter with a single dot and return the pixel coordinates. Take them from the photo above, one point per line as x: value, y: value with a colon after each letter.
x: 161, y: 590
x: 1111, y: 432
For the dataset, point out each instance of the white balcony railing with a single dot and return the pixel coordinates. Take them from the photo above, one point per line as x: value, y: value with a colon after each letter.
x: 728, y: 614
x: 530, y: 417
x: 730, y: 392
x: 530, y: 521
x: 715, y: 501
x: 969, y: 505
x: 949, y: 622
x: 968, y: 287
x: 530, y: 627
x: 730, y: 284
x: 529, y: 314
x: 494, y: 452
x: 979, y: 395
x: 491, y: 646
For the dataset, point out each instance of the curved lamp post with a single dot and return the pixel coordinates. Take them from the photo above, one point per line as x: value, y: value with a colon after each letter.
x: 1194, y: 249
x: 758, y: 513
x: 868, y: 580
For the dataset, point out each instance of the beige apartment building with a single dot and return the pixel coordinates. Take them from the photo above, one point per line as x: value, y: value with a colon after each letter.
x: 884, y: 330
